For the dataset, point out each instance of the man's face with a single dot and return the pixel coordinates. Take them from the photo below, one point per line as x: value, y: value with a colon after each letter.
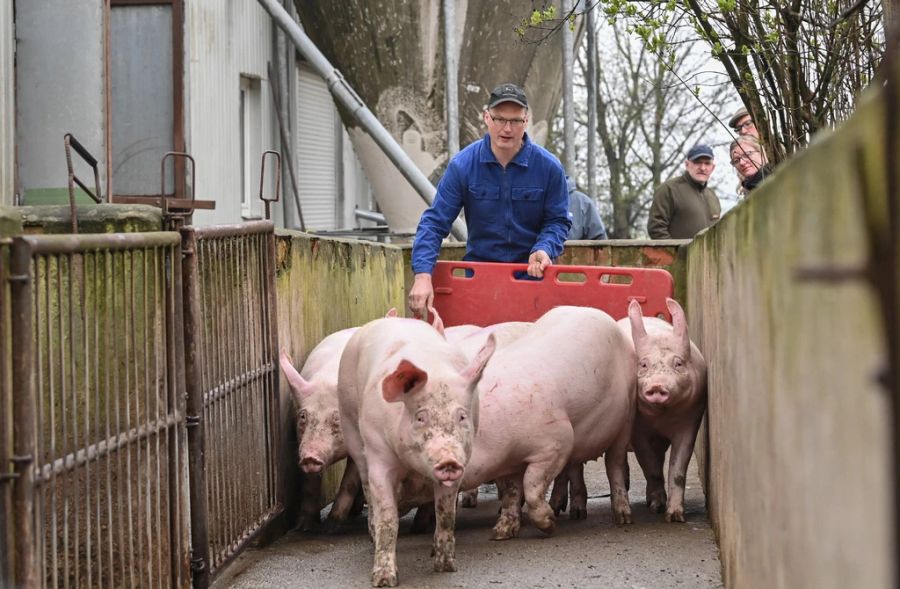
x: 700, y: 169
x: 506, y: 125
x: 746, y: 126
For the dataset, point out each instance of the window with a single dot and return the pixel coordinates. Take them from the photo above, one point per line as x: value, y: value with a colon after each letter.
x: 250, y: 112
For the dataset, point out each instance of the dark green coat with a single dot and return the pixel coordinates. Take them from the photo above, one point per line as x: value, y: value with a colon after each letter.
x: 681, y: 208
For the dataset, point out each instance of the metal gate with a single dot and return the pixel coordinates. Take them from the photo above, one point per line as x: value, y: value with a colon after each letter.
x: 138, y: 436
x: 99, y: 450
x: 232, y: 384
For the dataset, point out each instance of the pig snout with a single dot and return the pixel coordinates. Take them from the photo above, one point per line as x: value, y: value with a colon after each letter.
x: 657, y: 395
x: 448, y: 472
x: 311, y: 464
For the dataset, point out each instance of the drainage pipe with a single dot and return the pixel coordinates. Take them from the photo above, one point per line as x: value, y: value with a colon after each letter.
x: 350, y: 100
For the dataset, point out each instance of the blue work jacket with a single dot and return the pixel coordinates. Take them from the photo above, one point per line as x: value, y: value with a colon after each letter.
x: 510, y: 212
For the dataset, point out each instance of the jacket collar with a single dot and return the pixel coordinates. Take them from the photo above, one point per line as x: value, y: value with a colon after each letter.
x: 693, y: 182
x: 521, y: 158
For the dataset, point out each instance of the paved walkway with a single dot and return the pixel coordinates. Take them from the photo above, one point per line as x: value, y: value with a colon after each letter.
x: 587, y: 553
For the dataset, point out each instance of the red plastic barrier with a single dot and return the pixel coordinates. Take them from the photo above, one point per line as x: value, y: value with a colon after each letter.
x: 493, y: 294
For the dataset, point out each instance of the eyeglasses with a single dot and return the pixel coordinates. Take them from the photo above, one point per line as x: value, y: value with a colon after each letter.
x: 745, y: 156
x: 502, y: 122
x: 745, y: 125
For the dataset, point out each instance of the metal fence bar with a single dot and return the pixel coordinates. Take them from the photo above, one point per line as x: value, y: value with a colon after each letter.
x: 6, y: 473
x: 25, y: 568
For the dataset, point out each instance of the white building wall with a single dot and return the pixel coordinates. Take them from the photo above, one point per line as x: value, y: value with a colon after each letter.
x: 7, y: 104
x: 225, y: 40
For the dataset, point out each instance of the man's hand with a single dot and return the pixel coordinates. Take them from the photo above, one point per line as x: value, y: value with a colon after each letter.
x: 538, y: 261
x: 421, y: 296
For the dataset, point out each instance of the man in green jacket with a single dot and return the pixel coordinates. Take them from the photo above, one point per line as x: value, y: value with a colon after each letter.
x: 685, y: 205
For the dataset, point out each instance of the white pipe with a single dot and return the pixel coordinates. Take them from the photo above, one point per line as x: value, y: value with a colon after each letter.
x: 451, y: 66
x: 592, y: 104
x: 568, y: 96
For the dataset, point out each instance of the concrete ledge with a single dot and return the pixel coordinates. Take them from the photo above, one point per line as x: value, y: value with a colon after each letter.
x: 93, y: 218
x: 10, y: 221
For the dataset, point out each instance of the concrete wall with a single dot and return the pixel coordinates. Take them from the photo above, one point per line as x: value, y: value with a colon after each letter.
x: 797, y: 457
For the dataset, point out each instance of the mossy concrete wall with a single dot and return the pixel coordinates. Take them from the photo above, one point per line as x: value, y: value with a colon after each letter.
x: 797, y: 459
x: 325, y: 285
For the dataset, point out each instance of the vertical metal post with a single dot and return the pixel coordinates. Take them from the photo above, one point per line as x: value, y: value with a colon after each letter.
x: 25, y: 564
x: 451, y: 67
x: 568, y: 96
x: 200, y: 564
x: 592, y: 104
x: 272, y: 359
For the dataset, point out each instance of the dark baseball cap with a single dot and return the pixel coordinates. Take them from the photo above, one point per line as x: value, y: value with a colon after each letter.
x: 698, y: 151
x: 507, y: 93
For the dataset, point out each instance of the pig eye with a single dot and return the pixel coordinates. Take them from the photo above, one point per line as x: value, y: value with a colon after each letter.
x: 462, y: 416
x: 301, y: 418
x: 643, y: 365
x: 422, y: 417
x: 678, y: 362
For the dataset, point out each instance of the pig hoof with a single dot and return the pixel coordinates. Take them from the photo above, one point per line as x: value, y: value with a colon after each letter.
x: 505, y: 531
x: 578, y: 513
x: 382, y: 577
x: 543, y: 519
x: 675, y: 515
x: 444, y: 565
x: 656, y: 503
x: 308, y: 524
x: 623, y: 517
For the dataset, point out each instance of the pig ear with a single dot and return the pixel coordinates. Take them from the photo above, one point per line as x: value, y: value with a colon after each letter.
x: 473, y: 371
x: 636, y: 316
x: 438, y: 323
x: 299, y: 386
x: 406, y: 378
x: 392, y: 312
x: 680, y: 327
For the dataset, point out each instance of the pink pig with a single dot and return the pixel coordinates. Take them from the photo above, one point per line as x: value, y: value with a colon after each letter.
x: 562, y: 392
x: 321, y: 442
x: 671, y: 402
x: 409, y: 411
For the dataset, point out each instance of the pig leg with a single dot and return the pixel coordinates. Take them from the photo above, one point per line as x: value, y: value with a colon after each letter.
x: 469, y: 498
x: 345, y: 498
x: 616, y: 460
x: 682, y: 448
x: 577, y: 490
x: 384, y: 522
x: 309, y: 502
x: 424, y: 520
x: 510, y: 491
x: 651, y: 453
x: 540, y: 473
x: 559, y: 496
x: 444, y: 538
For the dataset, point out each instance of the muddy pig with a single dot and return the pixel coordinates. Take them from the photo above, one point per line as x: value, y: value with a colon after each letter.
x: 321, y: 442
x: 409, y: 410
x: 671, y: 401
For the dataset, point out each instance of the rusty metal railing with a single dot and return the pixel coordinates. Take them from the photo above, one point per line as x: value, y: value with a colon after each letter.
x: 100, y: 497
x: 6, y: 423
x: 232, y: 385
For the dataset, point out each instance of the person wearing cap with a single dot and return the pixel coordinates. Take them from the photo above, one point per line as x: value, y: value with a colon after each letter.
x: 685, y: 205
x: 513, y: 193
x: 742, y: 123
x: 583, y: 213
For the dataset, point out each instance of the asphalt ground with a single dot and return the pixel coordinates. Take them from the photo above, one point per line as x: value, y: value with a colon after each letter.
x: 588, y: 553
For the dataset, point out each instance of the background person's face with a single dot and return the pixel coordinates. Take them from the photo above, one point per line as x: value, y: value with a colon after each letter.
x: 506, y: 135
x: 700, y: 169
x: 746, y: 126
x: 746, y: 159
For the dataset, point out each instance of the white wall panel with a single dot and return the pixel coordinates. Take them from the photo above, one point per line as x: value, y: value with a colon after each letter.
x: 316, y: 151
x: 7, y: 104
x: 224, y: 41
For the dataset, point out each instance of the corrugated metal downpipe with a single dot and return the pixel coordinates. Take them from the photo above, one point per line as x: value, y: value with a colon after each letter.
x: 350, y: 100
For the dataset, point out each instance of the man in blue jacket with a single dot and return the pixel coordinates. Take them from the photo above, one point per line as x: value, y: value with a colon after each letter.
x: 513, y: 193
